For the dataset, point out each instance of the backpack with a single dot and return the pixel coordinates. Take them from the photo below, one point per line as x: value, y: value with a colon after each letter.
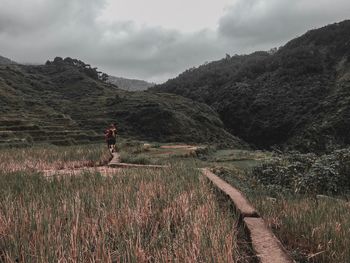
x: 108, y: 134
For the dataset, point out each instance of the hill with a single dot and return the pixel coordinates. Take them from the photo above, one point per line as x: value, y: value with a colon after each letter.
x: 296, y: 97
x: 6, y: 61
x: 130, y: 84
x: 67, y: 102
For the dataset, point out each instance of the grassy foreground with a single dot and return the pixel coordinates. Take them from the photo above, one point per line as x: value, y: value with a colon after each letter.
x: 132, y: 216
x: 313, y: 228
x: 52, y: 157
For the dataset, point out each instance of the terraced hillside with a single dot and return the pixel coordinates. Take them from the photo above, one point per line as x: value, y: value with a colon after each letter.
x: 66, y: 102
x: 24, y: 129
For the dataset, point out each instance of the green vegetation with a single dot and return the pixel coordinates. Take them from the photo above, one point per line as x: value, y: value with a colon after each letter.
x: 297, y: 97
x: 137, y: 152
x: 288, y: 191
x: 307, y: 173
x: 133, y: 152
x: 131, y: 158
x: 129, y: 216
x: 66, y: 102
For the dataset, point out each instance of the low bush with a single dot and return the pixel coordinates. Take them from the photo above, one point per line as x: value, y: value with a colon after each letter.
x: 307, y: 173
x: 134, y: 158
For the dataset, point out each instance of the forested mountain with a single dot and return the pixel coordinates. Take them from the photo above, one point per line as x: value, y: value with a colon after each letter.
x: 67, y: 101
x: 130, y: 84
x: 297, y: 97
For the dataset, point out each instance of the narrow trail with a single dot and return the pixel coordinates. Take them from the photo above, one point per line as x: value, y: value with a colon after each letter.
x: 115, y: 158
x: 265, y: 244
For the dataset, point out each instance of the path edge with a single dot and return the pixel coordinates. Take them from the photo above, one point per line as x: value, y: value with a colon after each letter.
x: 265, y: 244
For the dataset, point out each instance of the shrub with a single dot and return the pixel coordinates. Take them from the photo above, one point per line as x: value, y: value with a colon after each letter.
x: 307, y: 173
x: 135, y: 159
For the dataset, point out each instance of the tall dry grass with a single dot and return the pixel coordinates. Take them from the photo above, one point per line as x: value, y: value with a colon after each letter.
x: 47, y: 157
x: 313, y: 229
x: 133, y: 216
x: 316, y: 230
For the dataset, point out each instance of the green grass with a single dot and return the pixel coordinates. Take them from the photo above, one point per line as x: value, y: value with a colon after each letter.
x: 134, y: 159
x: 137, y: 152
x: 233, y: 155
x: 132, y: 151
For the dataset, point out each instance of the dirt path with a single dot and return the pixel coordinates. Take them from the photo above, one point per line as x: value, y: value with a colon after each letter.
x: 115, y: 159
x: 266, y: 245
x: 243, y: 206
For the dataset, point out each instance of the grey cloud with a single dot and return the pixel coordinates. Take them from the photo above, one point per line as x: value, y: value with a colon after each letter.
x: 276, y: 21
x: 43, y: 29
x: 156, y: 51
x: 26, y: 17
x: 121, y: 48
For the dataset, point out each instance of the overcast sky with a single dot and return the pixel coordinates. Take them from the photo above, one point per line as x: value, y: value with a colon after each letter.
x: 155, y: 39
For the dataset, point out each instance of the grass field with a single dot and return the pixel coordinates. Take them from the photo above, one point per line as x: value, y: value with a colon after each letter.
x: 152, y: 216
x: 152, y: 153
x: 312, y: 229
x: 52, y: 157
x: 131, y: 216
x: 316, y: 231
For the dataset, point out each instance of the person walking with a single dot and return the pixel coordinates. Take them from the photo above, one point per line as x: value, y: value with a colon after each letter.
x: 111, y: 137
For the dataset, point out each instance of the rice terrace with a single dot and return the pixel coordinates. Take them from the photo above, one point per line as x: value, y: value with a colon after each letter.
x: 240, y: 158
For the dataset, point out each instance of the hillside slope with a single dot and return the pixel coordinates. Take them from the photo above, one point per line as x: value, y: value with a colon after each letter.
x: 297, y: 97
x: 65, y: 102
x: 6, y: 61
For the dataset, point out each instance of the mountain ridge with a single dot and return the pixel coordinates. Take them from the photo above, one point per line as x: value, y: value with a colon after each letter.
x: 67, y: 101
x: 297, y: 97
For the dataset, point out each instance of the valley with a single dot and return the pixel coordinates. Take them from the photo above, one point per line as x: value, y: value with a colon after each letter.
x: 271, y: 127
x: 293, y: 98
